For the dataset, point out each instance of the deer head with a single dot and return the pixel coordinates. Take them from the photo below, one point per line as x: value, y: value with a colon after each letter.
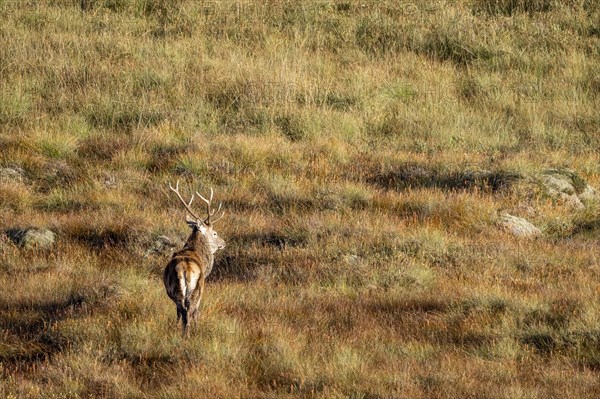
x: 204, y: 226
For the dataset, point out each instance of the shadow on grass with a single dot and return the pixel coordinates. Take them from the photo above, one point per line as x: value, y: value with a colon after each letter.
x: 390, y: 306
x: 28, y: 332
x: 413, y: 175
x: 239, y: 263
x: 122, y: 235
x: 296, y: 237
x: 238, y: 267
x: 583, y: 347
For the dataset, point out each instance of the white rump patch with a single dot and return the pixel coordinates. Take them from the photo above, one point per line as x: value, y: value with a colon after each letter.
x: 193, y: 282
x: 183, y: 286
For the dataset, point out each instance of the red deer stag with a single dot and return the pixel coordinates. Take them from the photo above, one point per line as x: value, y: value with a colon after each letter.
x: 185, y: 274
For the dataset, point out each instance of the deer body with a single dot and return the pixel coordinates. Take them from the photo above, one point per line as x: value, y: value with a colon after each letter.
x: 185, y: 274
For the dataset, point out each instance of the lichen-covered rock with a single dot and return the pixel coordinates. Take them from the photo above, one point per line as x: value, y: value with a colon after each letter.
x: 32, y: 238
x: 567, y: 187
x: 589, y: 194
x: 517, y: 226
x: 161, y: 245
x: 110, y: 181
x: 12, y: 174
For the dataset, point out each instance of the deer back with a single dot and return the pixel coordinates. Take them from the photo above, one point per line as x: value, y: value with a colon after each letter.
x: 196, y: 249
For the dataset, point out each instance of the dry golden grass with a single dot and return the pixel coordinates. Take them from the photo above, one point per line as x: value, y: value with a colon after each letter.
x: 345, y: 139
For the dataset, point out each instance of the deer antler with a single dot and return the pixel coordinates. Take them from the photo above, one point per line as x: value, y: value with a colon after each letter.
x: 207, y: 221
x: 188, y: 204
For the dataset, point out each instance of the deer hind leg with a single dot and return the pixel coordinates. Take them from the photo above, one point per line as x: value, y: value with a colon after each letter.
x: 182, y: 314
x: 179, y: 312
x: 182, y: 311
x: 184, y: 318
x: 195, y: 300
x: 182, y: 303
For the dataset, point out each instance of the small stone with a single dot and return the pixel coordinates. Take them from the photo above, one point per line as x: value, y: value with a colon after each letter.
x: 110, y: 181
x: 351, y: 259
x: 517, y: 226
x: 32, y: 238
x: 12, y: 174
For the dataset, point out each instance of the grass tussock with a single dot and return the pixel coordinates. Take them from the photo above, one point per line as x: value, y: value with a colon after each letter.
x: 363, y: 153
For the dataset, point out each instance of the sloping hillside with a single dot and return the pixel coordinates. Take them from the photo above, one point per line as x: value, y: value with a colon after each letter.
x: 367, y: 154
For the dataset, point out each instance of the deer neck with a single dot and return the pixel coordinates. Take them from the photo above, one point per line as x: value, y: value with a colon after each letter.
x: 198, y: 243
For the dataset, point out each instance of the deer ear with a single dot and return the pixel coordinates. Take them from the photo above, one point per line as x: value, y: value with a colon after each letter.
x: 190, y: 221
x: 193, y: 223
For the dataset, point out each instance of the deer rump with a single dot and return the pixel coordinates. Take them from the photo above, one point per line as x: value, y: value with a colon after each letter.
x: 184, y: 279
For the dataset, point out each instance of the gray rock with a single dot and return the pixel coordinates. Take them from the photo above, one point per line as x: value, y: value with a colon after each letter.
x: 352, y: 259
x: 12, y: 174
x: 32, y: 238
x: 556, y: 181
x: 567, y: 187
x: 161, y: 245
x: 517, y: 226
x: 110, y: 181
x: 589, y: 194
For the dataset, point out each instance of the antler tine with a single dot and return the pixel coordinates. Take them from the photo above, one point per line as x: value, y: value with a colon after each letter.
x: 219, y: 217
x: 218, y: 209
x: 202, y: 198
x: 208, y: 201
x: 208, y: 205
x: 185, y: 204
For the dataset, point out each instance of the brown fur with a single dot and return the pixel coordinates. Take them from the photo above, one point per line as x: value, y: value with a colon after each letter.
x: 185, y: 275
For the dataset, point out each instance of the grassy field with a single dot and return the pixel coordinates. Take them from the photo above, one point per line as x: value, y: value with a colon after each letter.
x: 362, y: 259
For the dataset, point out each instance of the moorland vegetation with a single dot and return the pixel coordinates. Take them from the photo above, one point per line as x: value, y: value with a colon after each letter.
x: 364, y: 152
